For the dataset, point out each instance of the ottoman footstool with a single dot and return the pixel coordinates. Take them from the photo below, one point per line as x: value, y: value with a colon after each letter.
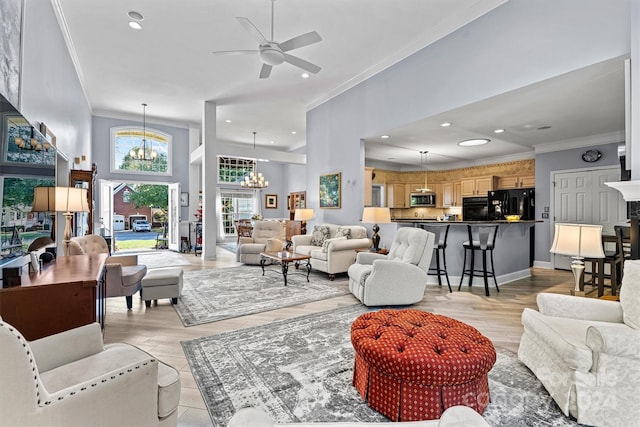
x: 161, y: 283
x: 411, y: 365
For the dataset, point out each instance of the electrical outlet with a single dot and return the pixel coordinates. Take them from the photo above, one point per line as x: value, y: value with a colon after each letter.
x: 546, y: 208
x: 545, y: 215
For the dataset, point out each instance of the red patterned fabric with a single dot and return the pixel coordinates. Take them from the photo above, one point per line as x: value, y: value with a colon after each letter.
x: 412, y: 365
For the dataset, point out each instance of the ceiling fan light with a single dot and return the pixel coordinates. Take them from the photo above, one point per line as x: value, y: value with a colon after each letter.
x: 271, y: 55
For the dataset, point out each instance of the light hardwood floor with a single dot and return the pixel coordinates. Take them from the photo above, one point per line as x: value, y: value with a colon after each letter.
x: 159, y: 331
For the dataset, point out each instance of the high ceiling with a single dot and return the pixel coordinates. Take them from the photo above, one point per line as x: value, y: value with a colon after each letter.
x: 169, y: 65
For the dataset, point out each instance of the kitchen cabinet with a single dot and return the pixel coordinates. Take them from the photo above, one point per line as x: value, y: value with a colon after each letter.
x: 396, y: 196
x: 368, y: 186
x: 478, y: 186
x: 509, y: 182
x: 451, y: 194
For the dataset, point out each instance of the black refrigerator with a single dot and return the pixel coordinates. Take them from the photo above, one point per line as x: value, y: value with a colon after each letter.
x: 519, y: 201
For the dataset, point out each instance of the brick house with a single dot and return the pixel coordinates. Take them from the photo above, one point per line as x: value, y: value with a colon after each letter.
x: 122, y: 205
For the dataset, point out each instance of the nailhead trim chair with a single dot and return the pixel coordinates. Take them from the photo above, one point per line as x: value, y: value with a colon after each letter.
x: 73, y: 379
x: 411, y: 365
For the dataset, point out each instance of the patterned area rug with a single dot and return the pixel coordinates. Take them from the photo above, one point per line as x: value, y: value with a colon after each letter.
x: 159, y: 259
x: 300, y: 370
x: 211, y: 295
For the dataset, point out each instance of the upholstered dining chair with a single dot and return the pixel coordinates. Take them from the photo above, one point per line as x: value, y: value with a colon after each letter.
x: 73, y: 379
x: 398, y: 278
x: 123, y: 273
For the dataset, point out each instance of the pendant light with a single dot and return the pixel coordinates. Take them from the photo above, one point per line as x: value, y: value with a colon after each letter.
x: 141, y: 153
x: 423, y: 163
x: 254, y: 179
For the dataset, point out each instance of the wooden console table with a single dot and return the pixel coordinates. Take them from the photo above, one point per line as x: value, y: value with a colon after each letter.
x: 67, y: 293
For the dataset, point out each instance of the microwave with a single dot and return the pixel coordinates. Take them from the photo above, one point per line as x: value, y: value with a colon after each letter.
x: 423, y: 199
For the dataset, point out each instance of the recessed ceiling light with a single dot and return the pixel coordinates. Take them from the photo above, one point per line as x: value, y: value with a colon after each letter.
x: 305, y: 75
x: 473, y: 142
x: 228, y: 121
x: 135, y: 25
x: 272, y: 142
x: 445, y: 124
x: 137, y: 16
x: 384, y: 136
x: 293, y: 132
x: 498, y: 131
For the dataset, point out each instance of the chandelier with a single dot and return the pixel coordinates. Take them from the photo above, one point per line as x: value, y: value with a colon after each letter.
x: 255, y: 179
x: 142, y: 153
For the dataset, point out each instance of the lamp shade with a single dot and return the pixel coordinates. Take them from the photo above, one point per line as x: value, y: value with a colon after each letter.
x: 579, y: 240
x: 376, y: 216
x: 630, y: 189
x: 60, y: 199
x: 303, y: 214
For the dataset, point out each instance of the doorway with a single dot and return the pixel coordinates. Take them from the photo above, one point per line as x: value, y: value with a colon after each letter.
x: 236, y: 205
x: 581, y: 197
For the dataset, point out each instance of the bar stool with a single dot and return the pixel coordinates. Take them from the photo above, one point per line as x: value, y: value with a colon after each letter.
x: 482, y: 237
x: 441, y: 232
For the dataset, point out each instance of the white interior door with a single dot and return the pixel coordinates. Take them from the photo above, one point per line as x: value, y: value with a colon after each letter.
x: 106, y: 207
x: 174, y: 217
x: 582, y: 198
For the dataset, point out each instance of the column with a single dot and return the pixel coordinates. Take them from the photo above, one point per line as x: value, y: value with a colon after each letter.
x: 209, y: 171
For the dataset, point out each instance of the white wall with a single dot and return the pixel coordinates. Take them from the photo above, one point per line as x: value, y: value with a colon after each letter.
x: 516, y: 44
x: 50, y: 89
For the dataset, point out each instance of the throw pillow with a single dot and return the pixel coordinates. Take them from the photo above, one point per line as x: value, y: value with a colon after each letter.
x: 319, y: 235
x: 343, y: 231
x: 325, y: 244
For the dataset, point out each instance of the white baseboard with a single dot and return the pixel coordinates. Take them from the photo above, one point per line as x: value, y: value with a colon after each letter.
x: 502, y: 279
x: 543, y: 264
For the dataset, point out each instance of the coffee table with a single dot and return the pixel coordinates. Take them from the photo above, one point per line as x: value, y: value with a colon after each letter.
x: 284, y: 258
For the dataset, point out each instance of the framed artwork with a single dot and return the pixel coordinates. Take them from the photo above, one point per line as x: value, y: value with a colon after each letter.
x: 184, y: 199
x: 330, y: 191
x: 11, y: 48
x: 271, y: 201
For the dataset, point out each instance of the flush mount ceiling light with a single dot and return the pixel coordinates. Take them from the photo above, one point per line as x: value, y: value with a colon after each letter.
x: 473, y: 142
x: 135, y: 25
x: 445, y: 124
x: 498, y: 131
x: 136, y: 19
x: 384, y: 136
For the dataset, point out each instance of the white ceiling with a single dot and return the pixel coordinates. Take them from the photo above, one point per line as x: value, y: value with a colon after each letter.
x: 170, y: 66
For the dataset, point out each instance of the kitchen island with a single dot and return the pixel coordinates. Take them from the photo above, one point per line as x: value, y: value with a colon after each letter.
x: 512, y: 254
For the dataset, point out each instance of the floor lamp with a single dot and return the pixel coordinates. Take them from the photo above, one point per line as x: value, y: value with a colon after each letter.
x: 376, y: 216
x: 578, y: 241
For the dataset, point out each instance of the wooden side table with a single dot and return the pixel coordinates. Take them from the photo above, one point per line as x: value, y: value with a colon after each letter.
x: 381, y: 251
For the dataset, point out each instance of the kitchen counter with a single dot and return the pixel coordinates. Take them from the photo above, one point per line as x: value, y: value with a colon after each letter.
x: 513, y: 252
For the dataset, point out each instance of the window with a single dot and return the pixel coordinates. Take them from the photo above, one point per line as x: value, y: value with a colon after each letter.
x: 126, y: 195
x: 233, y: 169
x: 127, y: 145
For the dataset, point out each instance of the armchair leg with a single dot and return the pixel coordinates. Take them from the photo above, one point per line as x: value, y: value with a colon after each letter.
x: 129, y: 302
x: 148, y: 303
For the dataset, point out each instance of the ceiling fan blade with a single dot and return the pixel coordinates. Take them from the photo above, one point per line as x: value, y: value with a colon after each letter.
x: 235, y: 52
x: 300, y: 41
x: 265, y: 71
x: 255, y: 32
x: 301, y: 63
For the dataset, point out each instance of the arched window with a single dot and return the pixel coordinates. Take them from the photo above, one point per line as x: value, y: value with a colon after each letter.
x: 133, y: 153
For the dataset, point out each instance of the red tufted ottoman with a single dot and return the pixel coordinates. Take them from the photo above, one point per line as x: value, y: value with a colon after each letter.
x: 412, y: 365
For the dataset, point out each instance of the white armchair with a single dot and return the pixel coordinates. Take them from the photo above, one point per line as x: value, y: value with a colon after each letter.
x: 586, y: 352
x: 266, y: 237
x: 72, y: 379
x: 398, y: 278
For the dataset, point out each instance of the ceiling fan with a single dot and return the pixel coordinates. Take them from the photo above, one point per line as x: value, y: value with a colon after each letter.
x: 274, y: 53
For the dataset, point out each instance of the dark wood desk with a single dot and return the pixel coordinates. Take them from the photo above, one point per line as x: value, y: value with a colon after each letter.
x: 67, y: 293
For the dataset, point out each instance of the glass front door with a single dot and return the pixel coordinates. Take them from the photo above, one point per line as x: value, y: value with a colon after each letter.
x: 235, y: 205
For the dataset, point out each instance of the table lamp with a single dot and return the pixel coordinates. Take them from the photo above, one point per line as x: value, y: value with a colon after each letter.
x: 376, y: 216
x: 62, y: 199
x: 578, y: 241
x: 44, y: 201
x: 303, y: 215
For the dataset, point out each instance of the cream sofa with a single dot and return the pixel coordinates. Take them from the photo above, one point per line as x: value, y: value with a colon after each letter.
x: 72, y: 379
x: 266, y: 237
x: 586, y: 352
x: 338, y: 253
x: 455, y: 416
